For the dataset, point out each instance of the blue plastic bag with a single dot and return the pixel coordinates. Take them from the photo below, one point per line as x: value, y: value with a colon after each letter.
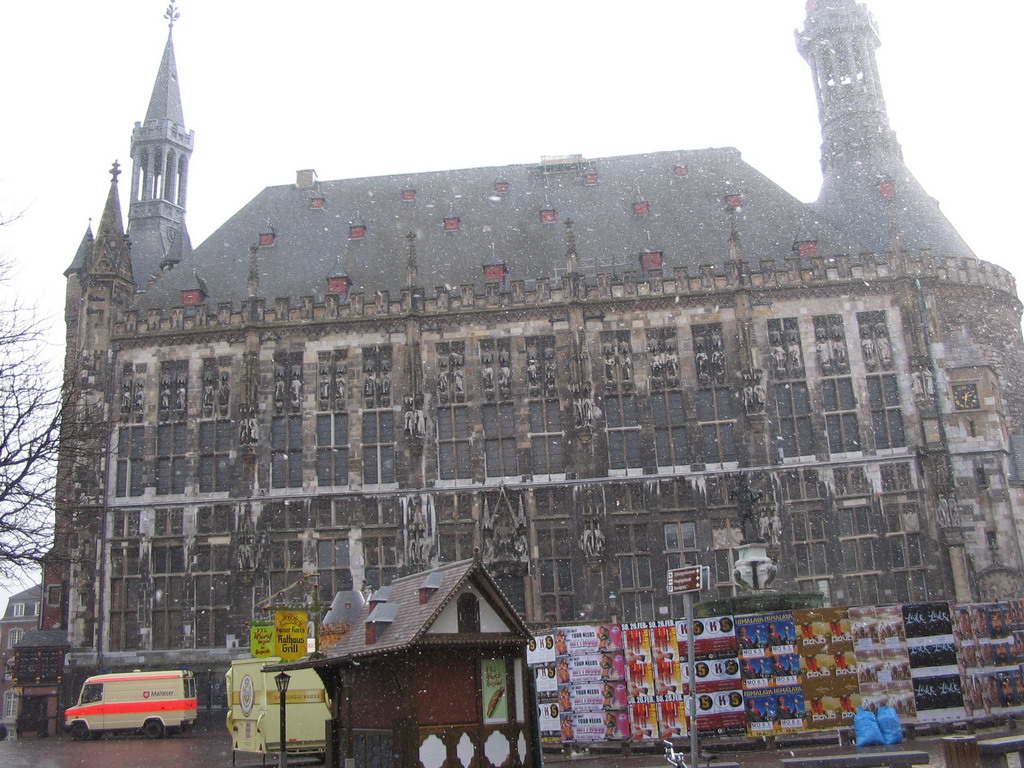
x: 889, y: 725
x: 865, y: 728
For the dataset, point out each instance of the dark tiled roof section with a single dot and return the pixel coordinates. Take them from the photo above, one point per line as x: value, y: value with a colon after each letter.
x: 853, y: 200
x: 44, y: 638
x: 165, y: 101
x: 687, y: 221
x: 410, y: 619
x: 27, y: 596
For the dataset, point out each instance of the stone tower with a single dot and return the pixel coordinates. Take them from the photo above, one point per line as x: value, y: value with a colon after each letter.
x: 161, y: 148
x: 868, y: 190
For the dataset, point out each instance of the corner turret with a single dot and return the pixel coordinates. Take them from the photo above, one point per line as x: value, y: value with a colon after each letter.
x: 867, y: 191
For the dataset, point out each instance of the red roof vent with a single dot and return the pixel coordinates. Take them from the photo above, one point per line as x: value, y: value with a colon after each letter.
x: 408, y: 195
x: 316, y: 203
x: 356, y: 231
x: 495, y: 273
x: 451, y: 224
x: 806, y: 247
x: 590, y: 179
x: 192, y: 297
x: 641, y: 208
x: 548, y: 216
x: 650, y: 260
x: 682, y: 170
x: 734, y: 202
x: 887, y: 190
x: 339, y: 285
x: 501, y: 187
x: 266, y: 239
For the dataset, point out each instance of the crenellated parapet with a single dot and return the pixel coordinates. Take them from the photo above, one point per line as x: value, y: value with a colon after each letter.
x: 842, y: 273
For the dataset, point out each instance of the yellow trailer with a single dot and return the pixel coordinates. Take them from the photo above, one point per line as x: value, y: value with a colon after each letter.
x: 254, y: 714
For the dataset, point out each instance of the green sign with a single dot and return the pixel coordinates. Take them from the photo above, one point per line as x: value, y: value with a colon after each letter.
x: 261, y: 639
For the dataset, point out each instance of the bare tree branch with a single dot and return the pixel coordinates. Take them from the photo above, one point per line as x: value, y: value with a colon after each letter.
x: 30, y: 421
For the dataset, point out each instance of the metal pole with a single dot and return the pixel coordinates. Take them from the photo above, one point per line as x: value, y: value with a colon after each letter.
x: 284, y: 729
x: 694, y: 749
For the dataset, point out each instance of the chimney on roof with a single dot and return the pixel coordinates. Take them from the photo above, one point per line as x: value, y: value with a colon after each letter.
x: 429, y: 586
x: 305, y: 179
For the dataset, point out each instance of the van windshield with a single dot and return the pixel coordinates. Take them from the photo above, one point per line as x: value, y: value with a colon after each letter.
x: 92, y: 692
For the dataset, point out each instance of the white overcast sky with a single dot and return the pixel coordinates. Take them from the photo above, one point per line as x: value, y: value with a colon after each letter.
x: 364, y: 88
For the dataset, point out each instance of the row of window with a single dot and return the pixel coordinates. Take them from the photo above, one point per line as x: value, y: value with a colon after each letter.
x: 716, y: 441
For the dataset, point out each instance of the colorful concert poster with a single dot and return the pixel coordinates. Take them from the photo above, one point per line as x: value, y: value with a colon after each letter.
x: 775, y: 710
x: 828, y: 666
x: 665, y: 651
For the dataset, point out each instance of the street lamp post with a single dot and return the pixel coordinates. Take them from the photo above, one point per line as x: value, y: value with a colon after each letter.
x: 282, y: 679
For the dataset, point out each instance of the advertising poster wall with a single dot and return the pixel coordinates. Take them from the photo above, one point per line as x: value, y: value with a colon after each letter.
x: 665, y: 652
x: 883, y: 663
x: 717, y: 672
x: 934, y: 667
x: 828, y: 666
x: 767, y: 656
x: 989, y: 644
x: 643, y: 713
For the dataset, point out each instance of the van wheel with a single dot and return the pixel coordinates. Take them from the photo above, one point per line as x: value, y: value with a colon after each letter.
x: 79, y: 731
x: 153, y: 729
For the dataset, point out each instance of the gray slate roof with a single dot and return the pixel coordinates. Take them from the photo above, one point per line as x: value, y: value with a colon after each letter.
x: 27, y: 596
x: 165, y: 101
x: 851, y: 200
x: 408, y: 620
x: 44, y: 638
x: 688, y: 223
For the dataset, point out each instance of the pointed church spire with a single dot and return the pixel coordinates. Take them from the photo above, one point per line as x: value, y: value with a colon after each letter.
x: 165, y: 102
x: 83, y: 254
x: 161, y: 151
x: 111, y: 255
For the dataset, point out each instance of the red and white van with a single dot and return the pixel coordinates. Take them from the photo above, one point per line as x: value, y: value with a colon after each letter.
x: 154, y: 703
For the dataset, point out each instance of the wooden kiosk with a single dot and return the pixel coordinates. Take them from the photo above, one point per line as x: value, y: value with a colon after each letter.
x: 432, y: 672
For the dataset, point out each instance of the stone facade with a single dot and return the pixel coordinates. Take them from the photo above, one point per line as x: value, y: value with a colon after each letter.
x: 584, y: 428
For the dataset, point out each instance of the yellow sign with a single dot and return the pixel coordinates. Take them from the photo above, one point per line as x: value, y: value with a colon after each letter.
x: 290, y: 627
x: 261, y: 639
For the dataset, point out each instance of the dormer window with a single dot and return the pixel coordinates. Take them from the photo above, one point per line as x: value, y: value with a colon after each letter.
x: 451, y: 224
x: 339, y: 285
x: 590, y: 179
x: 806, y: 247
x: 548, y: 216
x: 495, y: 273
x: 192, y: 297
x: 356, y: 231
x: 408, y: 195
x: 650, y: 261
x: 266, y: 239
x: 501, y: 187
x: 641, y: 208
x: 317, y: 203
x: 682, y: 171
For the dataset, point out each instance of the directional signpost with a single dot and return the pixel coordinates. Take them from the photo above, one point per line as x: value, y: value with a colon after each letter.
x: 687, y: 580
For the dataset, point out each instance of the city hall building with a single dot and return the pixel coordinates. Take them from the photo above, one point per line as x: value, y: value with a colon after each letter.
x: 578, y: 368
